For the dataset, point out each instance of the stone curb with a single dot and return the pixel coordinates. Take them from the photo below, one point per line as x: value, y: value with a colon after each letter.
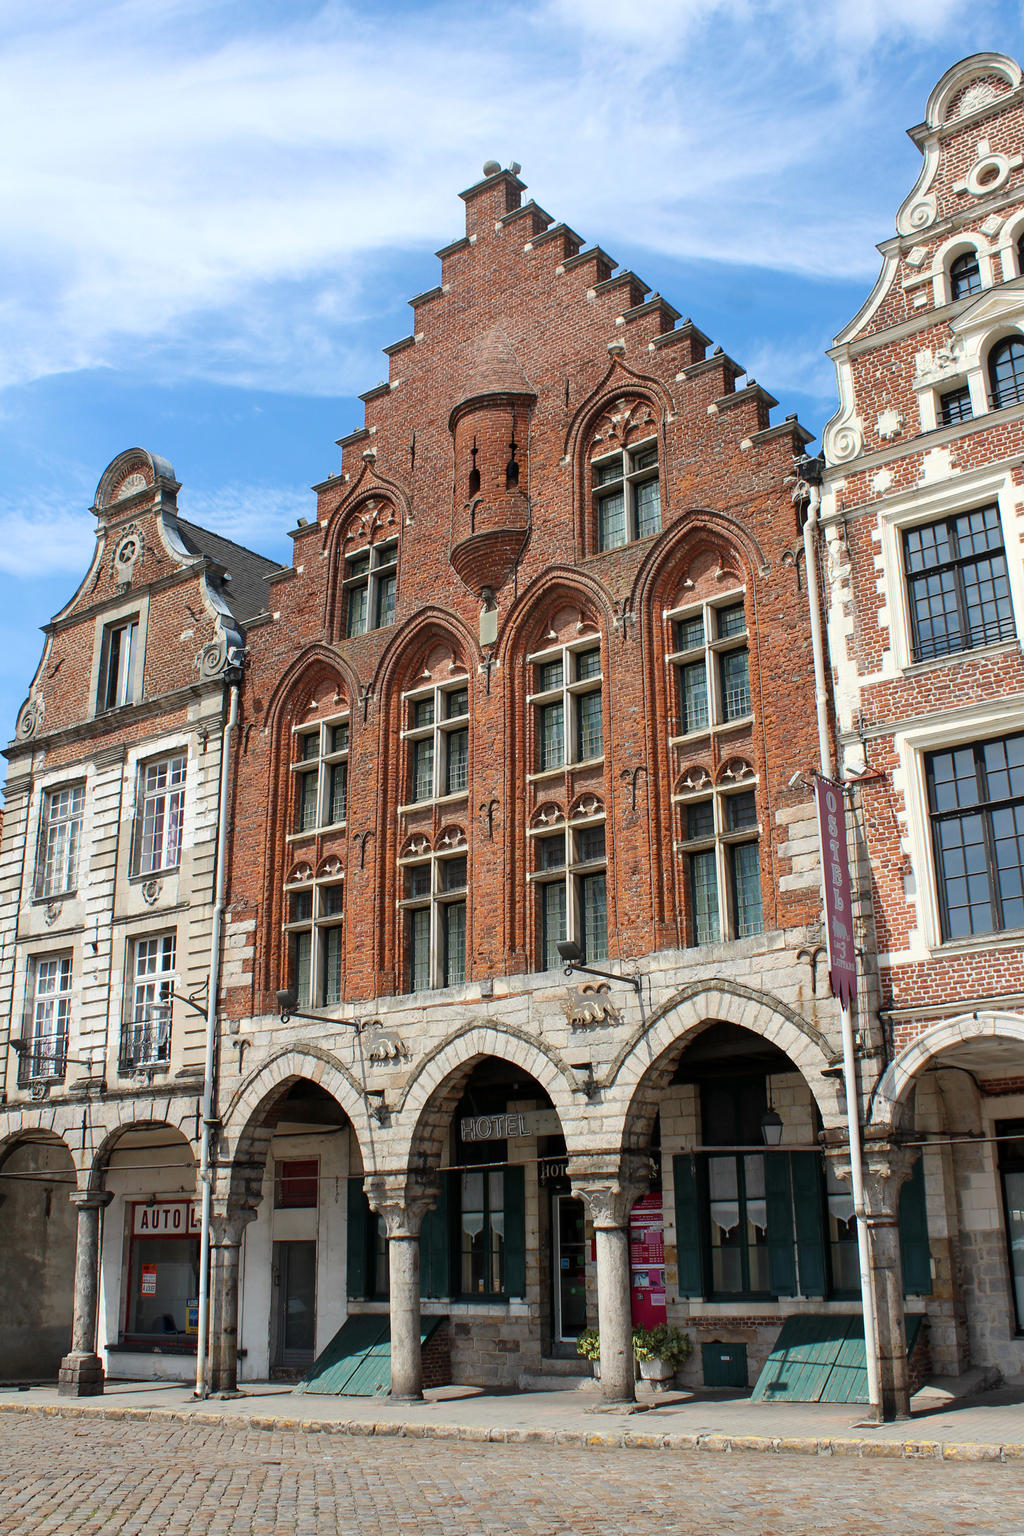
x: 629, y: 1439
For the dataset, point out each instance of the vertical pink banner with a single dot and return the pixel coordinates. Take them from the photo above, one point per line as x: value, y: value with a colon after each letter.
x: 842, y: 959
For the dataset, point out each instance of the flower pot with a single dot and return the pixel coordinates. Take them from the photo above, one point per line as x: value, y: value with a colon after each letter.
x: 656, y: 1370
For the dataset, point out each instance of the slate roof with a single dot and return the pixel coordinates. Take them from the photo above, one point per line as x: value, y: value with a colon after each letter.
x: 246, y: 593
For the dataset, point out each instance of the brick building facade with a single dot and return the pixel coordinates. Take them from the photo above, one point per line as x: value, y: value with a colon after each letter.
x: 923, y: 506
x: 537, y: 689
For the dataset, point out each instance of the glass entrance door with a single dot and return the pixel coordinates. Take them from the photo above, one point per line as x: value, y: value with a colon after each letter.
x: 294, y: 1304
x: 568, y: 1269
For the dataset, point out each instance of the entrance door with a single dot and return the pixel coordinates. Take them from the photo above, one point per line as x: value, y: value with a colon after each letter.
x: 568, y: 1272
x: 294, y: 1305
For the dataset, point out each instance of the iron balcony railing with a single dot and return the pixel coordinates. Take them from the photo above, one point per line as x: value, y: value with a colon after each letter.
x: 145, y: 1043
x: 43, y: 1058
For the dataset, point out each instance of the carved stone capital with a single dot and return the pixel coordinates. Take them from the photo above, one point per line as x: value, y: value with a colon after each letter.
x: 611, y: 1185
x: 402, y: 1200
x: 91, y: 1199
x: 887, y: 1168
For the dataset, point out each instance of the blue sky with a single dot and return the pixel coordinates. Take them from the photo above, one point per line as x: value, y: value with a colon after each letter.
x: 214, y: 212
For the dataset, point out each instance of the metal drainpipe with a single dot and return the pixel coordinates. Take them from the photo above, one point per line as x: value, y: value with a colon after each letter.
x: 232, y: 678
x: 850, y: 1079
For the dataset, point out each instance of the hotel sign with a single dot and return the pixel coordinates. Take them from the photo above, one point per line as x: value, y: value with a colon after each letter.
x: 529, y: 1122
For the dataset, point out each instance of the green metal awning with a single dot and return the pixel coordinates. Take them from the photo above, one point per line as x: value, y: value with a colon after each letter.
x: 820, y: 1359
x: 357, y: 1361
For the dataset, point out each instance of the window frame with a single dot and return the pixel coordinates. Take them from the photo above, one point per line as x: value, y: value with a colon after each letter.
x: 963, y: 258
x: 712, y: 651
x: 437, y: 900
x: 570, y: 877
x: 958, y: 564
x: 996, y: 401
x: 128, y: 677
x: 628, y: 484
x: 321, y: 921
x: 381, y: 566
x: 721, y: 841
x: 323, y: 764
x: 438, y: 733
x: 39, y: 1062
x: 567, y: 694
x: 985, y: 810
x: 70, y: 854
x: 172, y: 795
x: 145, y: 1045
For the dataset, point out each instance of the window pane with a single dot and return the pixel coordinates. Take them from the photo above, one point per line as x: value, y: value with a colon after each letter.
x: 330, y: 945
x: 456, y: 704
x: 549, y: 675
x: 955, y: 405
x: 611, y: 521
x: 305, y: 786
x: 607, y: 470
x: 423, y: 769
x: 302, y: 954
x: 453, y: 874
x: 457, y: 770
x: 309, y: 745
x: 387, y: 588
x: 746, y: 879
x: 735, y: 685
x: 332, y: 900
x: 588, y: 726
x: 594, y: 938
x: 700, y: 819
x: 731, y: 621
x: 741, y: 810
x: 693, y: 696
x: 589, y: 844
x: 552, y: 923
x: 1006, y: 373
x: 550, y: 733
x: 551, y: 852
x: 646, y: 458
x: 338, y: 794
x: 648, y: 508
x: 339, y: 737
x: 62, y: 825
x: 689, y: 633
x: 355, y: 623
x: 704, y: 895
x: 588, y: 664
x: 419, y: 949
x: 423, y: 712
x: 965, y: 276
x: 454, y: 927
x: 417, y: 880
x: 300, y: 906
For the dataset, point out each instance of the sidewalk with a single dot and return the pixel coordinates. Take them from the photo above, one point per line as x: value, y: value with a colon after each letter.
x: 989, y: 1427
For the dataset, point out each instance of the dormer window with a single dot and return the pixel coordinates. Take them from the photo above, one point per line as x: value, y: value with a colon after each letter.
x: 627, y: 495
x: 371, y: 585
x: 1006, y: 372
x: 117, y: 664
x: 965, y: 276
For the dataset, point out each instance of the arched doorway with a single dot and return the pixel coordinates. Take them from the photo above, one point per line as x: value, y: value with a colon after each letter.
x: 755, y: 1223
x: 955, y: 1096
x: 149, y: 1252
x: 503, y: 1253
x: 37, y: 1256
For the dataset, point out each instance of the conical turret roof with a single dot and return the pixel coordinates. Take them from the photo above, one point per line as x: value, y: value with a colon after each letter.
x: 492, y: 368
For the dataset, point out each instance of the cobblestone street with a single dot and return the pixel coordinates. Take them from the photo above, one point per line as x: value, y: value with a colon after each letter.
x: 86, y: 1475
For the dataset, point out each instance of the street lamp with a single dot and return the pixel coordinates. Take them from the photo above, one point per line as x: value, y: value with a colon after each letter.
x: 572, y: 954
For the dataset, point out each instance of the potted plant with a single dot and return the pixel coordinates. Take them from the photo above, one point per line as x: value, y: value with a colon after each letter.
x: 589, y: 1346
x: 661, y: 1351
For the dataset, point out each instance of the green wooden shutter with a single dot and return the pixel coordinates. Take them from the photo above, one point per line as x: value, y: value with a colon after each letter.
x: 914, y: 1249
x: 435, y: 1247
x: 690, y: 1177
x: 808, y: 1203
x: 359, y: 1218
x: 515, y: 1232
x: 779, y: 1201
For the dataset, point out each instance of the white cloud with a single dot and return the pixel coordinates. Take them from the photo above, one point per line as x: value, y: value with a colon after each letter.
x: 217, y: 195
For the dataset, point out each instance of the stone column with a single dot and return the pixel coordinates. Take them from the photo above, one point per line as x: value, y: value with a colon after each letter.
x: 226, y: 1231
x: 886, y: 1169
x: 403, y: 1201
x: 610, y: 1188
x: 81, y: 1371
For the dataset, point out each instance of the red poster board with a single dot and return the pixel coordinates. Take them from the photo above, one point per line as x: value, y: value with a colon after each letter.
x: 149, y: 1279
x: 647, y: 1261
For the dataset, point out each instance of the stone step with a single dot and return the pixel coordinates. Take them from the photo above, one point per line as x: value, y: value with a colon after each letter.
x: 944, y: 1389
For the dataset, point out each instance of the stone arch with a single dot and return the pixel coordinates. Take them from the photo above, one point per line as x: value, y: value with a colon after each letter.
x: 165, y: 1116
x: 51, y: 1123
x: 131, y: 472
x: 558, y: 585
x: 951, y: 91
x: 700, y: 530
x: 433, y: 1091
x: 892, y: 1097
x: 646, y: 1062
x: 626, y: 408
x: 38, y: 1228
x: 245, y: 1139
x: 431, y: 626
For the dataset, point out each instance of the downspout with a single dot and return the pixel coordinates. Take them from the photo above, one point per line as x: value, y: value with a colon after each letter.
x: 232, y: 679
x: 812, y: 492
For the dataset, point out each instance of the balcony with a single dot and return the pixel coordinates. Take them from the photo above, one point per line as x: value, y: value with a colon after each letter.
x: 146, y: 1043
x: 42, y: 1059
